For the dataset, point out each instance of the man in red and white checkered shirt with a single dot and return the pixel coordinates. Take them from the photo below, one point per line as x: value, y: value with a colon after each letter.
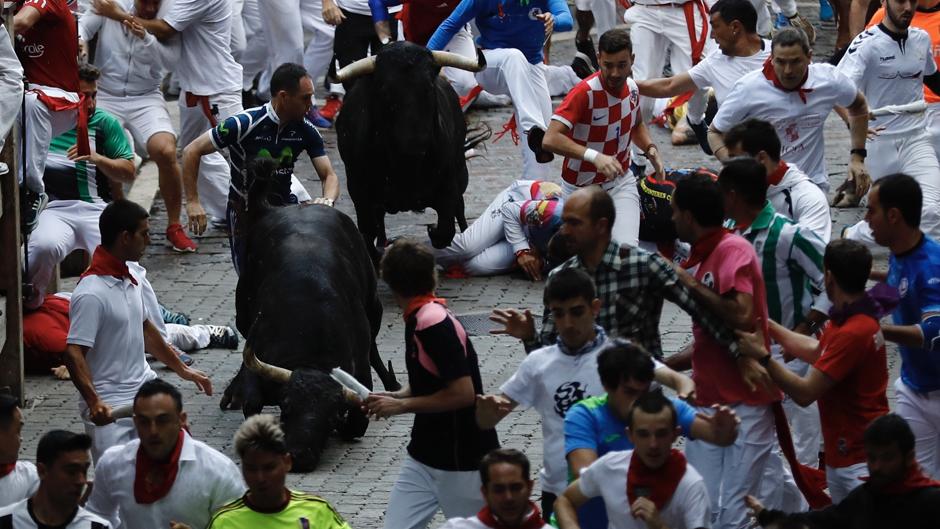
x: 594, y: 129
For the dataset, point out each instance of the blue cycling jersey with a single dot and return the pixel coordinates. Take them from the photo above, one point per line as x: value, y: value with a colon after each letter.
x: 257, y: 133
x: 916, y: 275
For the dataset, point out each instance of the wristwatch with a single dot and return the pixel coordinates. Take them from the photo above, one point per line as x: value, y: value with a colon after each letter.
x: 861, y: 152
x: 764, y: 360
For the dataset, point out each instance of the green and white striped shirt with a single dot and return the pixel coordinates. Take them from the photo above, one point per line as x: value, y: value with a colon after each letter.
x: 792, y: 265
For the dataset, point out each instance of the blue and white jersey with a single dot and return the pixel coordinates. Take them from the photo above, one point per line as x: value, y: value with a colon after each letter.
x: 916, y: 275
x: 257, y: 133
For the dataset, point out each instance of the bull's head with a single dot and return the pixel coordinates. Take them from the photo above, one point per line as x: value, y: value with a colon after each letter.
x: 310, y: 407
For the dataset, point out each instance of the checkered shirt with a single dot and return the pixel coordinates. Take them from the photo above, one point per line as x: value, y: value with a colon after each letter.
x: 601, y: 121
x: 632, y: 284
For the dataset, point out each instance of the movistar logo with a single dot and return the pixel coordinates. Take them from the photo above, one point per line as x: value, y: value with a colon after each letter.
x: 222, y: 130
x: 285, y: 158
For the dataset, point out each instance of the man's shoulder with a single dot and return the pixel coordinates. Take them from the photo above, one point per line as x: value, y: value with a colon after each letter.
x: 212, y: 459
x: 102, y: 118
x: 12, y: 508
x: 117, y: 456
x: 588, y: 407
x: 94, y: 521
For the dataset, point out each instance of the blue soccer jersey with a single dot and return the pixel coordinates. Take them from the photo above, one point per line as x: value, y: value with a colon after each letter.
x: 916, y: 275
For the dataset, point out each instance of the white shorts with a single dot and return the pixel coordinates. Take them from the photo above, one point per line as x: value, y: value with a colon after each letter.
x: 119, y: 432
x: 626, y: 197
x: 421, y: 490
x: 922, y: 413
x: 143, y: 116
x: 843, y: 480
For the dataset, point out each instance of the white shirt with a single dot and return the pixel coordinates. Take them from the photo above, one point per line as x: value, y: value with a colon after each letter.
x: 106, y: 314
x: 798, y: 198
x: 19, y: 484
x: 552, y: 382
x: 721, y: 71
x: 206, y: 65
x: 689, y: 507
x: 473, y: 523
x: 890, y: 70
x: 206, y: 481
x: 799, y: 125
x: 18, y: 516
x: 361, y: 7
x: 129, y: 65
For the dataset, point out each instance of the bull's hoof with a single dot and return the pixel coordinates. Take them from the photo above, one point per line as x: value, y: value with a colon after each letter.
x: 249, y: 409
x: 354, y: 426
x: 231, y: 400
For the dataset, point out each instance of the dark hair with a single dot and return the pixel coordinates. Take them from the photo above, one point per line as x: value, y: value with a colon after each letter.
x: 754, y: 135
x: 746, y: 177
x: 790, y: 36
x: 903, y: 193
x: 601, y: 206
x: 569, y: 283
x: 741, y: 10
x: 287, y: 77
x: 408, y: 268
x: 652, y: 402
x: 57, y: 442
x: 503, y: 455
x: 8, y: 403
x: 620, y: 360
x: 850, y: 264
x: 700, y: 195
x: 88, y: 72
x: 890, y: 429
x: 119, y: 216
x: 159, y: 386
x: 614, y: 41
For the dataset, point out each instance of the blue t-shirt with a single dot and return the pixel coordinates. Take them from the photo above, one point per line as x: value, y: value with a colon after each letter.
x: 254, y: 133
x: 916, y: 275
x: 591, y: 424
x: 505, y: 24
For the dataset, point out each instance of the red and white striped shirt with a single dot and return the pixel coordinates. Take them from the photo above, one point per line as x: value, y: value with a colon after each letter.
x: 601, y: 121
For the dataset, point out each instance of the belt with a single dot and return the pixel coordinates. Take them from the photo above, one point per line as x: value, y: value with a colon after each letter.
x: 670, y: 4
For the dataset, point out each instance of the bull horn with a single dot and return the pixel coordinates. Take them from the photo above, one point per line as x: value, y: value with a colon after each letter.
x: 264, y: 369
x: 356, y: 69
x: 462, y: 62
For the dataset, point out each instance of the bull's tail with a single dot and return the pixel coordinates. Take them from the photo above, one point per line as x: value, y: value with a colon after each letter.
x: 386, y: 374
x: 477, y: 133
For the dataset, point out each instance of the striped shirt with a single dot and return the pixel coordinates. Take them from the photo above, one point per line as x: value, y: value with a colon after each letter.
x: 792, y: 265
x: 632, y: 284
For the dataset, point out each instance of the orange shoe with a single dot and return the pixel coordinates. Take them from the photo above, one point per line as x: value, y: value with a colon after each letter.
x: 178, y: 240
x: 331, y: 108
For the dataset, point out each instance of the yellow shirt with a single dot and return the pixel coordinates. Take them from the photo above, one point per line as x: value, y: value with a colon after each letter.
x: 303, y: 511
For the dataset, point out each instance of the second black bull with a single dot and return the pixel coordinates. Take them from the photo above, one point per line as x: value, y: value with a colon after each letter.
x: 402, y: 137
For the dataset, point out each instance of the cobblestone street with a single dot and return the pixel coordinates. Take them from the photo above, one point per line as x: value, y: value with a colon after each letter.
x: 356, y: 477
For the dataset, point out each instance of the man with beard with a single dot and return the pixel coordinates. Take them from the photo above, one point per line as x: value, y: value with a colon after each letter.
x: 890, y: 63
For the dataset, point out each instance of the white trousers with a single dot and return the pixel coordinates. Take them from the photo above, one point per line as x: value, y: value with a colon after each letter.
x: 911, y: 154
x: 626, y: 199
x: 922, y: 413
x: 142, y: 116
x: 288, y: 20
x: 462, y: 80
x: 843, y: 480
x: 420, y: 491
x: 255, y: 57
x: 805, y: 427
x: 119, y: 432
x: 41, y: 125
x: 605, y: 13
x: 187, y: 337
x: 653, y: 31
x: 482, y: 249
x: 239, y: 39
x: 214, y: 172
x: 64, y: 226
x: 733, y: 472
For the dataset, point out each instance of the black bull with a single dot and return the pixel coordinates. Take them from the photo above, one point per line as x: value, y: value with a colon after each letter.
x: 306, y: 303
x: 402, y: 137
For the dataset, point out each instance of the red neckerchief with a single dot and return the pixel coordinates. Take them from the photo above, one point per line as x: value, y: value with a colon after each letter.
x: 703, y: 248
x: 776, y: 177
x: 103, y: 263
x: 532, y: 521
x: 659, y: 483
x: 419, y: 301
x: 771, y: 76
x: 57, y: 104
x: 5, y: 469
x: 146, y: 493
x: 913, y: 480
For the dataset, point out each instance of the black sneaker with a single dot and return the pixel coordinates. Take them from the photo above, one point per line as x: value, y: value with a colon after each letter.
x: 32, y: 204
x: 222, y: 337
x: 587, y: 47
x: 535, y: 143
x: 701, y: 134
x: 581, y: 64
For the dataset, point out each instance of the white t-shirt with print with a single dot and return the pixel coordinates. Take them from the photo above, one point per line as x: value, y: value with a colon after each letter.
x: 721, y: 71
x: 799, y: 125
x: 689, y: 507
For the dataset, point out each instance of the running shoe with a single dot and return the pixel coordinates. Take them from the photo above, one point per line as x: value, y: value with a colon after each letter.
x: 587, y: 47
x: 32, y: 204
x: 535, y: 143
x: 825, y: 11
x: 222, y: 337
x: 581, y: 64
x: 781, y: 21
x: 169, y: 316
x: 185, y: 358
x: 332, y: 107
x: 799, y: 21
x: 179, y: 241
x: 314, y: 116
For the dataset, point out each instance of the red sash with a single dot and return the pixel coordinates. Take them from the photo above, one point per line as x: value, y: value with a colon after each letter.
x: 146, y: 492
x: 776, y: 177
x: 771, y: 76
x: 6, y: 469
x: 532, y: 521
x: 657, y: 484
x: 57, y: 104
x: 105, y: 264
x: 419, y: 301
x: 703, y: 248
x: 203, y: 103
x: 913, y: 480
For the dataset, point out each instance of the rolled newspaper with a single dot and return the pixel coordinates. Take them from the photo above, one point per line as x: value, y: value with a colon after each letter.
x: 908, y: 108
x: 121, y: 412
x: 349, y: 382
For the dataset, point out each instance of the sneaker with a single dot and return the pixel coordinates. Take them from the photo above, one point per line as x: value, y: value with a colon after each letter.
x: 222, y: 337
x: 176, y: 236
x: 781, y: 21
x: 32, y: 205
x: 332, y: 107
x: 314, y: 116
x: 825, y: 11
x: 4, y: 169
x: 535, y: 143
x: 587, y: 47
x: 169, y: 316
x: 799, y: 21
x: 581, y: 64
x: 185, y: 358
x: 639, y: 171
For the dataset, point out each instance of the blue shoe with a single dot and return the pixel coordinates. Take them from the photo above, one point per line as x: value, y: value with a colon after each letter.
x: 825, y: 11
x: 781, y: 21
x: 313, y: 115
x: 170, y: 316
